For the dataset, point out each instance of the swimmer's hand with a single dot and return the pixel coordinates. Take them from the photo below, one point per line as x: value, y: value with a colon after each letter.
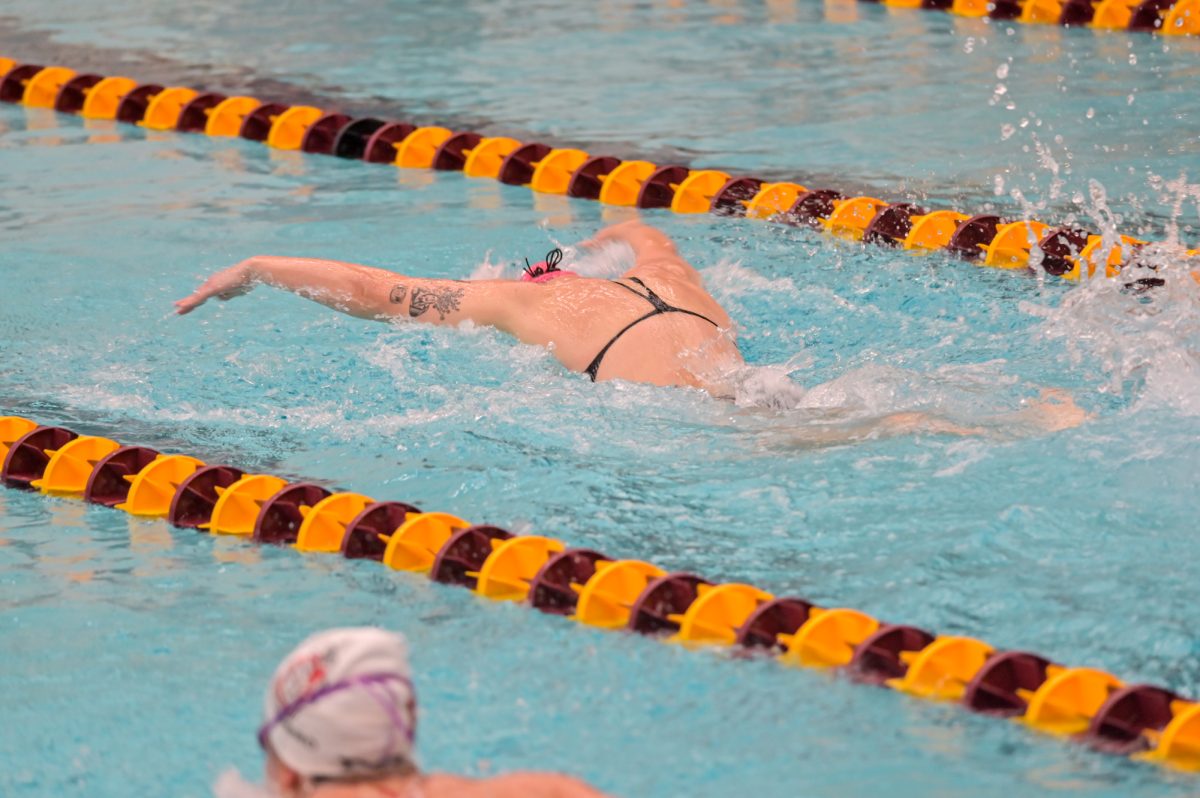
x: 224, y: 285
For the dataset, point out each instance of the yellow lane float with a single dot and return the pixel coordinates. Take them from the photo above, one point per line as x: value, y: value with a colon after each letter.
x: 152, y: 488
x: 486, y: 157
x: 325, y: 523
x: 554, y: 171
x: 828, y: 638
x: 1010, y: 248
x: 942, y: 669
x: 69, y: 467
x: 103, y: 98
x: 1068, y: 699
x: 1179, y: 743
x: 226, y: 118
x: 43, y: 88
x: 773, y: 199
x: 415, y: 543
x: 696, y: 192
x: 621, y: 185
x: 507, y: 572
x: 163, y: 111
x: 851, y: 216
x: 288, y: 129
x: 717, y: 613
x: 11, y: 429
x: 419, y: 147
x: 1183, y: 19
x: 932, y: 231
x: 237, y: 506
x: 606, y: 599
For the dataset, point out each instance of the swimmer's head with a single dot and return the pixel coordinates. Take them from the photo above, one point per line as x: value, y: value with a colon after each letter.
x: 547, y: 269
x: 341, y: 707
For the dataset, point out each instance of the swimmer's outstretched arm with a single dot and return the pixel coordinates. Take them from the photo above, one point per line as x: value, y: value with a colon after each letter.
x: 366, y: 292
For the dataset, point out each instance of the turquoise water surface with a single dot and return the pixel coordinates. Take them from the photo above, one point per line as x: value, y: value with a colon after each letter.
x: 135, y: 654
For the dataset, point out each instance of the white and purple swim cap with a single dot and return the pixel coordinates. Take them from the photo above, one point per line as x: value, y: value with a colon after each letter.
x: 342, y: 706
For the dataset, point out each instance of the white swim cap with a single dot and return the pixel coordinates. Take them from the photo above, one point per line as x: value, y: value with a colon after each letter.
x: 342, y: 706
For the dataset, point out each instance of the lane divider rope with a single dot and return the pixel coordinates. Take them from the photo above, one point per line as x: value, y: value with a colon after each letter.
x: 1166, y: 17
x: 1084, y: 704
x: 984, y: 239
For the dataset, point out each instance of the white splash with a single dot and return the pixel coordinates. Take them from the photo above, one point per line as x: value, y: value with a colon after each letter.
x: 728, y: 279
x: 606, y: 262
x: 493, y: 270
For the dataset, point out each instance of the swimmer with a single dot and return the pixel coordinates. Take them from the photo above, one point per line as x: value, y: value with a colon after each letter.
x: 655, y: 324
x: 340, y: 722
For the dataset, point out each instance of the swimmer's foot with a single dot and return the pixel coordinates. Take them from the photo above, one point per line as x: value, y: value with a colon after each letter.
x: 913, y: 423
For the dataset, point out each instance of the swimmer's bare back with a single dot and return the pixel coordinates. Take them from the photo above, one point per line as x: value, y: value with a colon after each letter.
x: 574, y: 317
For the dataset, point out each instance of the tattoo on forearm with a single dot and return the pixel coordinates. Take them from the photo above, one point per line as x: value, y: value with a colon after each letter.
x: 398, y: 293
x: 443, y: 300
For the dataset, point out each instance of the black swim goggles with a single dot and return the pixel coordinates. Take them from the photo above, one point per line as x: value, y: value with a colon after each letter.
x: 550, y: 264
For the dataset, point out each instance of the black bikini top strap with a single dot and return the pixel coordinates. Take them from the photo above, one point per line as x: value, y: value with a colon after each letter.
x: 594, y: 366
x: 633, y: 291
x: 663, y: 307
x: 651, y: 297
x: 660, y: 307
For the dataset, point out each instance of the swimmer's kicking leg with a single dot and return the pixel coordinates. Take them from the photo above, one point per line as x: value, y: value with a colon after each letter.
x: 1055, y: 410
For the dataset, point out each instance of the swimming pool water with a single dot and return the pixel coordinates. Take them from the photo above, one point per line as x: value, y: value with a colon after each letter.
x: 853, y: 94
x: 135, y: 654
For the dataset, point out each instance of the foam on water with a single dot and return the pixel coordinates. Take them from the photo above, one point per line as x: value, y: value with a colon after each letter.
x: 1146, y: 341
x: 1146, y: 344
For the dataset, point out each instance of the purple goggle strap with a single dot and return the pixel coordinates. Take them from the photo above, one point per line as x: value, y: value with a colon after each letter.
x: 374, y: 685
